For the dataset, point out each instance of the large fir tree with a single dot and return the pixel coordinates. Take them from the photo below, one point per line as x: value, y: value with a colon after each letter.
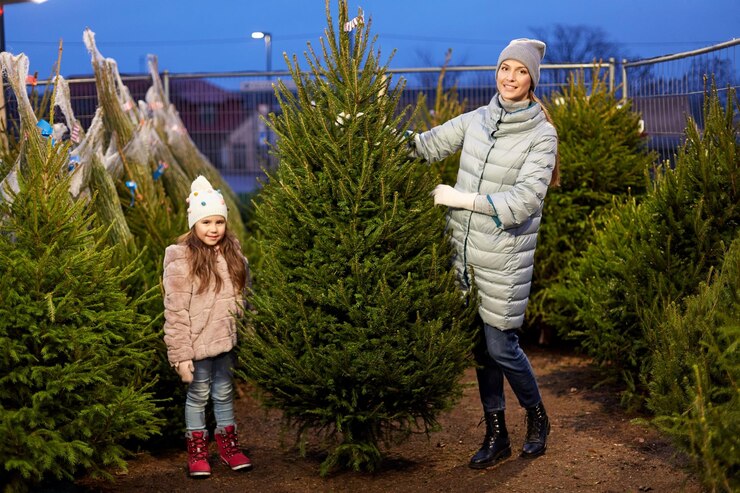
x: 657, y: 252
x: 695, y: 377
x: 359, y: 329
x: 73, y: 350
x: 604, y: 162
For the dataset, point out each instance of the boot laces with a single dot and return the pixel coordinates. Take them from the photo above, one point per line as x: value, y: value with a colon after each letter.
x: 491, y: 431
x: 230, y: 442
x: 198, y: 448
x: 534, y: 421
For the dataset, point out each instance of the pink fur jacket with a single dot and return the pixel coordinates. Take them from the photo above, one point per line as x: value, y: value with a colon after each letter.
x: 197, y: 326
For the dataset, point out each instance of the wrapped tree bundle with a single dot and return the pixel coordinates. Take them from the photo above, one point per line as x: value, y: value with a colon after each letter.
x: 63, y: 100
x: 15, y: 69
x: 99, y: 184
x: 147, y: 145
x: 78, y: 165
x: 172, y: 131
x: 134, y: 167
x: 115, y: 105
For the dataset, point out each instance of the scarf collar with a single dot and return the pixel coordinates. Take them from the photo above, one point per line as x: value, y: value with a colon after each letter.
x: 508, y: 117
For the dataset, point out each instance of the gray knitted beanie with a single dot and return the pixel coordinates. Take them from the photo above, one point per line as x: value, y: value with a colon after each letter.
x: 529, y: 52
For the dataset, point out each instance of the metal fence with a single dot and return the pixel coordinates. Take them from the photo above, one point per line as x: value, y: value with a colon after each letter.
x: 222, y: 111
x: 668, y: 90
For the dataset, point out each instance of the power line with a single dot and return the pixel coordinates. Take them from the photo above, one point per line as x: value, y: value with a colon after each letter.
x: 160, y: 42
x: 506, y: 41
x: 308, y: 36
x: 407, y: 37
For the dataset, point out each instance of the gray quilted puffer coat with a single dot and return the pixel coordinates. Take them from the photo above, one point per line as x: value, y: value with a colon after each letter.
x: 508, y: 157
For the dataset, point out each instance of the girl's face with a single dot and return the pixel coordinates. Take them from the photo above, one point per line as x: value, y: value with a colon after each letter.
x: 513, y: 81
x: 211, y: 230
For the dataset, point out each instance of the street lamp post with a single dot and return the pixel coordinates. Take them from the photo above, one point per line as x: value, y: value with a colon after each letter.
x: 268, y: 47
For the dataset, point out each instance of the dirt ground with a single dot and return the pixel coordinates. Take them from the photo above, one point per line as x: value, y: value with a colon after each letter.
x: 593, y: 447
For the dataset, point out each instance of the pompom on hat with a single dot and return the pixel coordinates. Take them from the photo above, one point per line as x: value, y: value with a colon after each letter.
x: 529, y: 52
x: 204, y: 201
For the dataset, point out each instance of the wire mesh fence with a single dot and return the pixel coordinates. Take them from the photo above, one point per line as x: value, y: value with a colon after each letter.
x: 668, y: 90
x: 224, y: 112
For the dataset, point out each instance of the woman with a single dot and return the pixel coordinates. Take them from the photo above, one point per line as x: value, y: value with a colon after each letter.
x: 508, y: 160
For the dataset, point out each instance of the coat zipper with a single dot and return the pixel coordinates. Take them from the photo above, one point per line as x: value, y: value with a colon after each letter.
x: 470, y: 216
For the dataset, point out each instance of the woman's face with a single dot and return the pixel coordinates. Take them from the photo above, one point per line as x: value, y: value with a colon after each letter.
x: 513, y: 81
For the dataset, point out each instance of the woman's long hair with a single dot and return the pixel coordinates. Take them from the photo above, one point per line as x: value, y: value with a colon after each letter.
x: 555, y: 180
x: 203, y: 261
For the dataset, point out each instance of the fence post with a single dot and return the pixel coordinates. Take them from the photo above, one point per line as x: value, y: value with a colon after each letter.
x: 3, y: 116
x: 611, y: 74
x: 166, y: 84
x: 624, y: 79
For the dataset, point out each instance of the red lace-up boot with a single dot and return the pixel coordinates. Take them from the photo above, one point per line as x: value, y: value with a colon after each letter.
x: 228, y: 449
x: 198, y: 466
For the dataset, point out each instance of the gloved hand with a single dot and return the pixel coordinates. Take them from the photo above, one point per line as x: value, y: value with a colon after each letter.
x: 342, y: 117
x: 408, y: 135
x: 446, y: 195
x: 185, y: 369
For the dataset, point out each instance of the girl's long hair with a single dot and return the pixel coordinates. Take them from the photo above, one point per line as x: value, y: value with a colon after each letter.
x: 555, y: 180
x: 203, y: 261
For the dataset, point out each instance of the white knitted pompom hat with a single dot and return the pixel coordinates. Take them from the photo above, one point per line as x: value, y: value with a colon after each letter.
x: 204, y: 201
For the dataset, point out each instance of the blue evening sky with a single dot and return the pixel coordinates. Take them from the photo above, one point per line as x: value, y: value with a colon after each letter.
x: 214, y: 35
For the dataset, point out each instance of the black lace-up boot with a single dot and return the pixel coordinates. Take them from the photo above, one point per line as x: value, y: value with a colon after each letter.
x: 496, y: 445
x: 538, y: 427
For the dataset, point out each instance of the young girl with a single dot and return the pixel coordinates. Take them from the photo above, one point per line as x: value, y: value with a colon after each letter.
x: 204, y: 277
x: 509, y: 157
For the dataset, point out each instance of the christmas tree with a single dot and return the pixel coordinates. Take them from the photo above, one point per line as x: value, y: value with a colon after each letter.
x: 74, y: 351
x: 657, y: 252
x: 605, y: 162
x: 359, y: 330
x: 693, y: 385
x: 447, y: 105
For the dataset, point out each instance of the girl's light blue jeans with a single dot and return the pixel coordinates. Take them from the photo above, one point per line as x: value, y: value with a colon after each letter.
x: 212, y: 378
x: 502, y: 357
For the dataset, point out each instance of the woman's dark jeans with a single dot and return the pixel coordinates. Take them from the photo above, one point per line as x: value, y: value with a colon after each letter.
x: 498, y: 354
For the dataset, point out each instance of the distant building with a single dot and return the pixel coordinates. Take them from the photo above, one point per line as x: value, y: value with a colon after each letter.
x: 665, y: 118
x: 210, y: 113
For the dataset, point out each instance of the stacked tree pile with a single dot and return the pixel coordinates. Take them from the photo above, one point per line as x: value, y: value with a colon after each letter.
x: 85, y: 216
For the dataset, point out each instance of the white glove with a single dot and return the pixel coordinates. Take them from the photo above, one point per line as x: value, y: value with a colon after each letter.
x: 185, y: 369
x: 342, y: 117
x: 446, y: 195
x: 407, y: 135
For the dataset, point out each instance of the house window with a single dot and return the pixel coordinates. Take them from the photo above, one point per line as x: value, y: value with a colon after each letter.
x: 240, y: 156
x: 208, y: 114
